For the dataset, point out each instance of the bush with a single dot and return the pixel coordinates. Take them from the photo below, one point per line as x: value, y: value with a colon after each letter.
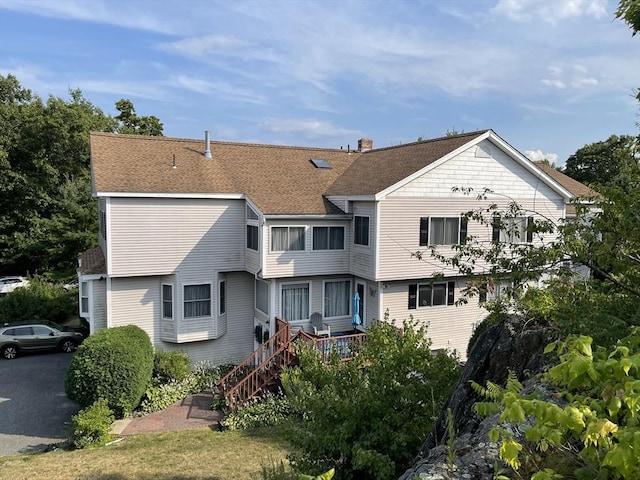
x: 92, y: 425
x: 41, y: 300
x: 265, y: 412
x: 115, y: 364
x: 170, y: 366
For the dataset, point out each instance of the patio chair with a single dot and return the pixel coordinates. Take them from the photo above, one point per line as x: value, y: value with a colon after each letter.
x: 320, y: 328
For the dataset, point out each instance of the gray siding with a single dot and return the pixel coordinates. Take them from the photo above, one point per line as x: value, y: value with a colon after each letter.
x: 159, y: 236
x: 99, y: 314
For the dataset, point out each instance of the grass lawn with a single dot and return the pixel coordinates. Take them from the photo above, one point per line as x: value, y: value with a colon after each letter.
x: 186, y: 455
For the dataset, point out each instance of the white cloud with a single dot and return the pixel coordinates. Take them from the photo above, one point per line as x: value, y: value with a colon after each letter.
x: 584, y: 82
x: 555, y: 83
x: 308, y: 128
x: 206, y: 45
x: 220, y: 89
x: 538, y: 155
x: 549, y: 10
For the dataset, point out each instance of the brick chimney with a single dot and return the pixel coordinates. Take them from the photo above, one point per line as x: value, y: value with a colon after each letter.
x: 364, y: 145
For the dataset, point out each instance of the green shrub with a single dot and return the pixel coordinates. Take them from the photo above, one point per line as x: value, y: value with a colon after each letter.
x: 170, y: 366
x: 92, y: 425
x: 160, y: 396
x: 41, y: 300
x: 265, y: 412
x: 115, y: 364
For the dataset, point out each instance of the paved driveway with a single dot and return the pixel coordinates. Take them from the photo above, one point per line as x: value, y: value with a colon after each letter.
x: 34, y: 410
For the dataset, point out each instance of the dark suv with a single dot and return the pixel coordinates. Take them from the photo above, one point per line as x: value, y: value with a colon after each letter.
x: 17, y: 338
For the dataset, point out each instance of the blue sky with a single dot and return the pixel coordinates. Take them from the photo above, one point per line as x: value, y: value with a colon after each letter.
x: 549, y: 76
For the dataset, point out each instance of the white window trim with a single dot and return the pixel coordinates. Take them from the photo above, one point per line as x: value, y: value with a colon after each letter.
x: 306, y: 236
x: 324, y: 282
x: 368, y: 245
x: 226, y: 296
x: 296, y: 322
x: 173, y: 301
x: 344, y: 238
x: 85, y: 293
x: 255, y: 297
x: 446, y: 295
x: 509, y: 239
x: 210, y: 299
x: 430, y: 231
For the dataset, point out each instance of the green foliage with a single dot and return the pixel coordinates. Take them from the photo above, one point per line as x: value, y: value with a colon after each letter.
x: 367, y: 417
x: 129, y: 122
x: 159, y: 396
x: 599, y: 419
x: 279, y: 471
x: 115, y: 364
x: 169, y: 366
x: 91, y: 426
x: 264, y: 412
x: 41, y: 300
x: 629, y: 11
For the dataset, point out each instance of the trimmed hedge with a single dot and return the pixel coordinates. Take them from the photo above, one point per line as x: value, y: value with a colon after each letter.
x: 41, y: 300
x: 115, y: 364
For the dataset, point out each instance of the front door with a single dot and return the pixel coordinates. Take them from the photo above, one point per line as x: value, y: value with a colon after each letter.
x: 360, y: 288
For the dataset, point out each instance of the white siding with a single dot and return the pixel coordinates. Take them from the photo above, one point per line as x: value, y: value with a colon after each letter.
x: 308, y: 261
x: 449, y: 327
x: 159, y: 236
x: 362, y: 259
x: 400, y: 230
x: 99, y: 314
x: 138, y: 301
x: 499, y: 172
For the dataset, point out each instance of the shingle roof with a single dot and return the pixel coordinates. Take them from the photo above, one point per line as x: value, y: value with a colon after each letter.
x: 278, y: 179
x: 575, y: 187
x: 92, y: 262
x: 376, y: 170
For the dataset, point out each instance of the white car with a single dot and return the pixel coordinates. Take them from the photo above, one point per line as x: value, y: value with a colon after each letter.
x: 9, y: 284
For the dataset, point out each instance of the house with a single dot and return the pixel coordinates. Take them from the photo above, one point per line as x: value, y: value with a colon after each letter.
x: 203, y: 244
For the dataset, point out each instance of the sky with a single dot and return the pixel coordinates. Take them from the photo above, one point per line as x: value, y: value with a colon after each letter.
x: 548, y: 76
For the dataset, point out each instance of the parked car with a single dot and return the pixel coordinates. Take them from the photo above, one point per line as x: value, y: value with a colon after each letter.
x: 9, y: 284
x: 17, y: 338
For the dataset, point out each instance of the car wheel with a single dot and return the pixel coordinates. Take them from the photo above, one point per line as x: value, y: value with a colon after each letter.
x: 10, y: 352
x: 68, y: 346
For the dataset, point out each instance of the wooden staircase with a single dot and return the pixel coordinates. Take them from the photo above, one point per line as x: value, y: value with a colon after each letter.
x: 259, y: 372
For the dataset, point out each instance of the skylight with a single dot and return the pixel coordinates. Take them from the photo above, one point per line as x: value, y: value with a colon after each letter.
x: 320, y: 163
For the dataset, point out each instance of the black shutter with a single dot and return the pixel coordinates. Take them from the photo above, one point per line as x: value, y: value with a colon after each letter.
x: 413, y: 294
x: 529, y: 229
x: 495, y: 236
x: 463, y: 229
x: 424, y: 231
x: 451, y: 292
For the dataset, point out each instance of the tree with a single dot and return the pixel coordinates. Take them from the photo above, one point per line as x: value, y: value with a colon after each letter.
x: 368, y: 417
x: 47, y: 214
x: 598, y: 163
x: 129, y: 122
x: 629, y: 12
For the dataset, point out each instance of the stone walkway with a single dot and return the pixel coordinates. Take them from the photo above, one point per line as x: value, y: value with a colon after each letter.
x: 191, y: 413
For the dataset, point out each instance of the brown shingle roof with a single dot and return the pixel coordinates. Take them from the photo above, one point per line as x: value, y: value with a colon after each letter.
x: 575, y: 187
x: 376, y: 170
x: 279, y: 180
x: 92, y: 262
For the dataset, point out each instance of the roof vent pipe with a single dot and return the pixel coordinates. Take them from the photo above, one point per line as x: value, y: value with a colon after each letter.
x: 207, y: 145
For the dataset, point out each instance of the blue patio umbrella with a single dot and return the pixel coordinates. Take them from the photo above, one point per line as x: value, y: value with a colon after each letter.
x: 356, y: 310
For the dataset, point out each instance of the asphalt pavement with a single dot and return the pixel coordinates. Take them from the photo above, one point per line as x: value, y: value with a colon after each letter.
x: 34, y: 410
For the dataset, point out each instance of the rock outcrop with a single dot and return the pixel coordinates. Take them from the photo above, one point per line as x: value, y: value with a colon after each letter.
x: 508, y: 346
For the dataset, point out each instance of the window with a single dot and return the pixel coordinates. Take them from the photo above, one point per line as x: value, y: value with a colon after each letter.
x: 84, y: 297
x: 252, y: 237
x: 222, y: 297
x: 361, y: 230
x: 513, y: 230
x: 251, y: 214
x: 197, y: 300
x: 295, y: 302
x: 103, y: 224
x: 167, y: 301
x: 328, y: 238
x: 337, y: 298
x: 431, y: 294
x: 262, y: 296
x: 287, y: 238
x: 43, y: 331
x: 442, y: 230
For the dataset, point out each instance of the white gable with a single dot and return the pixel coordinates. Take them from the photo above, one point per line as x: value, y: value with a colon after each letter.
x: 480, y: 166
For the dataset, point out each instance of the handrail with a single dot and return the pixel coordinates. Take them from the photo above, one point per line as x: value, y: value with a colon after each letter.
x: 249, y: 385
x: 283, y: 333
